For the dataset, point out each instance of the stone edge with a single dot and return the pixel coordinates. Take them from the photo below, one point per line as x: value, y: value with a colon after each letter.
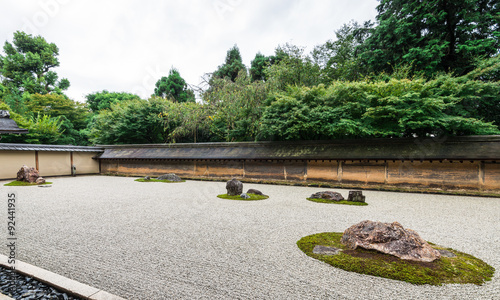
x: 60, y: 282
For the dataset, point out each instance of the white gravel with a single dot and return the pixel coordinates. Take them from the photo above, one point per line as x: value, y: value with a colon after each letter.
x: 179, y: 241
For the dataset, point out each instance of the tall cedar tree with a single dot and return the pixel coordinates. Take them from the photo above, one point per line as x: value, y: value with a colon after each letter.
x: 232, y: 66
x: 174, y: 87
x: 433, y: 36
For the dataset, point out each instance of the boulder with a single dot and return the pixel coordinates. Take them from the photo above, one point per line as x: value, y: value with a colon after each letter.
x: 244, y: 196
x: 40, y: 180
x: 234, y: 187
x: 389, y: 238
x: 27, y: 174
x: 169, y: 177
x: 327, y: 195
x: 356, y: 196
x: 254, y: 191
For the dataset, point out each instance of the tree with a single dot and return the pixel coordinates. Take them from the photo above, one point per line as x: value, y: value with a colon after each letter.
x: 131, y: 122
x: 339, y: 59
x: 396, y: 108
x: 433, y: 36
x: 235, y: 107
x: 42, y: 129
x: 293, y: 68
x: 174, y: 87
x: 28, y: 63
x: 98, y: 101
x: 259, y: 65
x: 232, y: 66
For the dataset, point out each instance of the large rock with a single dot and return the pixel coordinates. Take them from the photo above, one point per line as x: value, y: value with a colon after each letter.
x: 27, y: 174
x: 356, y: 196
x: 234, y: 187
x: 390, y: 238
x: 254, y: 191
x: 328, y: 195
x: 169, y: 177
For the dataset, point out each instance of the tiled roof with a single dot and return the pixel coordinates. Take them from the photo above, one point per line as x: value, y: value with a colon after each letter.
x: 456, y: 148
x: 34, y: 147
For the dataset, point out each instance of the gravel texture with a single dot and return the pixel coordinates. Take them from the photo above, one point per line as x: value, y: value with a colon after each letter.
x: 18, y: 286
x: 160, y: 240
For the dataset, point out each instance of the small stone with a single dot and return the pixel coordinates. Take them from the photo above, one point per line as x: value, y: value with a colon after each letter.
x: 328, y: 195
x: 147, y: 178
x: 234, y: 187
x: 254, y: 191
x: 326, y: 250
x: 244, y: 196
x: 40, y: 180
x: 356, y: 196
x: 170, y: 177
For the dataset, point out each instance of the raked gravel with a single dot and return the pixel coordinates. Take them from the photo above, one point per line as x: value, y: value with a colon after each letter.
x: 179, y: 241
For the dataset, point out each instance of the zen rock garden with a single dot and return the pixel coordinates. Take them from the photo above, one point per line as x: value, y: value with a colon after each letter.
x: 389, y: 250
x: 234, y: 189
x: 354, y: 198
x: 170, y: 177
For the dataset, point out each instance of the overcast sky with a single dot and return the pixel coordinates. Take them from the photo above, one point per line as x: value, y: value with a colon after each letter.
x: 127, y: 45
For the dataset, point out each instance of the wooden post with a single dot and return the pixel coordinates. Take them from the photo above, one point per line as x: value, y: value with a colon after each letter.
x: 37, y: 165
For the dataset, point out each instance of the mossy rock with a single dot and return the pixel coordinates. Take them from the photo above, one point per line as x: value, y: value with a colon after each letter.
x: 156, y: 180
x: 461, y: 269
x: 23, y: 183
x: 253, y: 197
x: 345, y: 202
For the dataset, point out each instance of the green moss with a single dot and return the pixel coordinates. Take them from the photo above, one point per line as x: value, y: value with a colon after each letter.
x: 337, y: 202
x: 156, y: 180
x: 253, y: 197
x: 462, y: 269
x: 22, y: 183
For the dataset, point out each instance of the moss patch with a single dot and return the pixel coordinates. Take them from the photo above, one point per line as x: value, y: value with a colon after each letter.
x: 23, y: 183
x: 462, y: 269
x: 253, y: 197
x: 337, y: 202
x: 156, y: 180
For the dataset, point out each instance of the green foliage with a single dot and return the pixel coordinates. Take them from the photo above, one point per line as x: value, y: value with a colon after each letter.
x: 235, y: 108
x: 398, y: 108
x: 42, y: 129
x: 130, y: 122
x: 339, y: 58
x: 174, y: 87
x: 27, y: 63
x: 98, y: 101
x: 23, y: 183
x: 186, y: 122
x: 432, y: 36
x: 293, y: 69
x: 461, y: 269
x: 259, y: 65
x: 232, y: 66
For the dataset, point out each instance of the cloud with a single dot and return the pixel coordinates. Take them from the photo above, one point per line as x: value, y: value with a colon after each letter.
x: 128, y: 45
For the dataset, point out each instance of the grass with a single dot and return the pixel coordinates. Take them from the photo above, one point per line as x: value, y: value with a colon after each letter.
x: 253, y: 197
x: 22, y: 183
x: 461, y: 269
x: 156, y: 180
x: 319, y: 200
